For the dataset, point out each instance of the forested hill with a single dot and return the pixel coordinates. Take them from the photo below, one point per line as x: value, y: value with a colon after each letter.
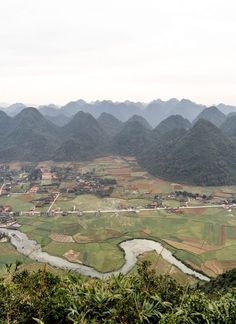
x: 175, y: 150
x: 144, y: 297
x: 202, y: 155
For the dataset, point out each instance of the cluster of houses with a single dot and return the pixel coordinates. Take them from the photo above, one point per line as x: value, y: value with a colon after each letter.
x: 43, y: 201
x: 7, y: 220
x: 89, y: 183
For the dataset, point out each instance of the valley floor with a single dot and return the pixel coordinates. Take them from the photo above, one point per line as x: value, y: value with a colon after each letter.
x: 200, y: 232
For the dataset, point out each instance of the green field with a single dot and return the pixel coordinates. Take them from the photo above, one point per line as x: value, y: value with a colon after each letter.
x: 97, y: 237
x: 205, y: 238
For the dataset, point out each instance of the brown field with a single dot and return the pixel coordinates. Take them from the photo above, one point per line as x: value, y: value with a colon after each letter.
x: 27, y: 197
x: 143, y: 185
x: 199, y: 244
x: 145, y: 231
x: 196, y: 211
x: 17, y: 165
x: 185, y: 246
x: 222, y: 235
x: 61, y: 238
x: 120, y: 171
x: 228, y: 264
x: 82, y: 239
x: 212, y: 267
x: 177, y: 186
x: 72, y: 256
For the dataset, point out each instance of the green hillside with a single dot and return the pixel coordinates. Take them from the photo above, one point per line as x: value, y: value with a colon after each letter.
x: 202, y: 156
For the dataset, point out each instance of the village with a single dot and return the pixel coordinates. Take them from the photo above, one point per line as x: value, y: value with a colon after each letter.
x: 43, y: 186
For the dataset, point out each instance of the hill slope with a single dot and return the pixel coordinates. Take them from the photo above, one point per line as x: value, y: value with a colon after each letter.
x: 171, y: 123
x: 213, y: 115
x: 30, y: 137
x: 201, y: 156
x: 83, y: 138
x: 229, y: 126
x: 110, y: 124
x: 132, y: 139
x: 141, y: 120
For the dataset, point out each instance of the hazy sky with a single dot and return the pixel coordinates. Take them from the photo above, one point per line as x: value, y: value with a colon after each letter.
x: 62, y: 50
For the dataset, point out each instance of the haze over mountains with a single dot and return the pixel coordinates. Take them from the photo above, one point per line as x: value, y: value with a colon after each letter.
x: 198, y: 151
x: 154, y: 112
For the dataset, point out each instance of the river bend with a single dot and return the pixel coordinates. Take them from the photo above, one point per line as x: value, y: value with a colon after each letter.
x: 132, y: 249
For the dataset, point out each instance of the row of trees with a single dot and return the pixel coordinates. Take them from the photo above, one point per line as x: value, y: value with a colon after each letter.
x: 141, y: 298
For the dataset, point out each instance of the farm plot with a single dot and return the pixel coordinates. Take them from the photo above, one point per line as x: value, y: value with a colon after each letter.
x: 194, y: 238
x: 86, y: 202
x: 17, y: 202
x: 161, y: 266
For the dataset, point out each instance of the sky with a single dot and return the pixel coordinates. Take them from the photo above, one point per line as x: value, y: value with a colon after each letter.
x: 55, y: 51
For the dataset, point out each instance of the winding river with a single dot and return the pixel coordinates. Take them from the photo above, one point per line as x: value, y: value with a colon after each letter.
x: 132, y: 249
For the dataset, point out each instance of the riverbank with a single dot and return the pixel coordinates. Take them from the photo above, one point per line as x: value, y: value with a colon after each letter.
x: 132, y: 249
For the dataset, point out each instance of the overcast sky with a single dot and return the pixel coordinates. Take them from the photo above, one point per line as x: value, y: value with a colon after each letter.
x: 63, y: 50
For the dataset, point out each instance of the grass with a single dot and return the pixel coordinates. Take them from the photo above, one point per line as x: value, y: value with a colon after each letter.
x: 161, y: 266
x: 97, y: 238
x: 17, y: 202
x: 104, y: 233
x: 10, y: 255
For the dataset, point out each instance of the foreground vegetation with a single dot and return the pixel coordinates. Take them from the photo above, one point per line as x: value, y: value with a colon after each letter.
x: 143, y: 297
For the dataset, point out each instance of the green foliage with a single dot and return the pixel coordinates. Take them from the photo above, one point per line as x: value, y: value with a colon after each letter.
x: 212, y: 114
x: 42, y: 297
x: 228, y: 127
x: 202, y: 156
x: 221, y: 283
x: 171, y: 123
x: 132, y: 139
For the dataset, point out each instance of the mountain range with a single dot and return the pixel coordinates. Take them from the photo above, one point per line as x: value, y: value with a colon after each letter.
x: 202, y: 152
x: 154, y: 112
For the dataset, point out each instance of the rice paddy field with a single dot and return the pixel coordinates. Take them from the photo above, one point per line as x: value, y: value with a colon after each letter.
x: 204, y: 238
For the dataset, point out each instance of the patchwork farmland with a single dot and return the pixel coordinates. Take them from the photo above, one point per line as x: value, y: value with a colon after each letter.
x: 204, y: 238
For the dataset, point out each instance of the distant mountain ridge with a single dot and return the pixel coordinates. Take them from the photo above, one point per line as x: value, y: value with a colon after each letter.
x: 154, y: 112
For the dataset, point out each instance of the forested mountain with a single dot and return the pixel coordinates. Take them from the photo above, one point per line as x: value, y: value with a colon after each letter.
x: 158, y: 110
x: 141, y: 120
x: 213, y: 115
x: 132, y: 139
x: 229, y: 126
x: 203, y: 156
x: 226, y: 109
x: 6, y: 123
x: 49, y: 110
x: 31, y: 118
x: 154, y: 112
x: 59, y: 120
x: 171, y: 123
x: 110, y: 124
x: 14, y: 109
x: 187, y: 109
x: 120, y: 110
x: 82, y: 138
x: 29, y: 136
